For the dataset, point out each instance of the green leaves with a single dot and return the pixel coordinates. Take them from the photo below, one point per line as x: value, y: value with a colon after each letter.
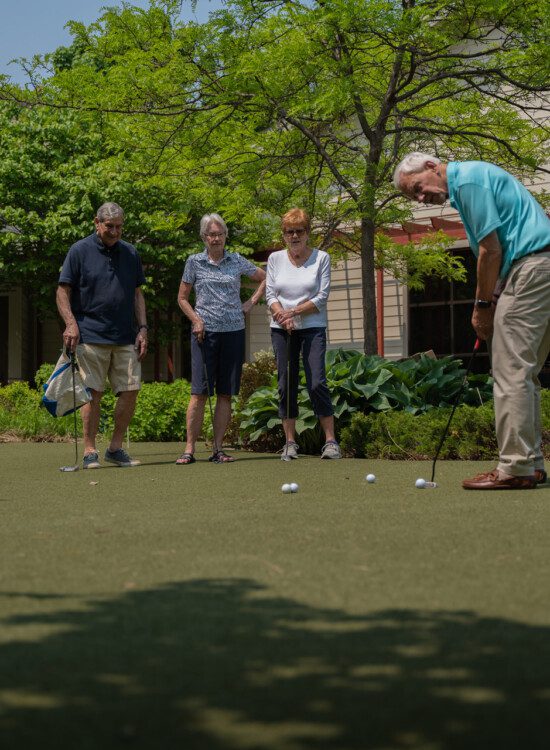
x: 367, y: 384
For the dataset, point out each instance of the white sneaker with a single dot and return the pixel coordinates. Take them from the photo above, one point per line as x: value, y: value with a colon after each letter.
x: 331, y: 449
x: 290, y: 450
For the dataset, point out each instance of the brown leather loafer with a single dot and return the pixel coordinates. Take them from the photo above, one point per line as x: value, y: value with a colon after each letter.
x: 540, y: 476
x: 490, y: 481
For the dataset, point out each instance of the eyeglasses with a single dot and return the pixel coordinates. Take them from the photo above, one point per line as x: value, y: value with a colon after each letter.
x: 297, y: 232
x: 215, y: 235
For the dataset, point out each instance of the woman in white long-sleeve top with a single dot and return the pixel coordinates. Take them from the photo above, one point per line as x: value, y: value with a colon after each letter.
x: 297, y: 289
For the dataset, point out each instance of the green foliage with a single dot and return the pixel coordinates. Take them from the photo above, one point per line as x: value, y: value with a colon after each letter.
x: 399, y: 434
x: 160, y: 412
x: 43, y: 374
x: 294, y: 103
x: 255, y: 375
x: 365, y: 384
x: 56, y: 168
x: 23, y: 418
x: 402, y: 435
x: 159, y: 415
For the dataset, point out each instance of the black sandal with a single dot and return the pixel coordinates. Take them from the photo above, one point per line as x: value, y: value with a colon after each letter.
x: 185, y: 458
x: 219, y: 457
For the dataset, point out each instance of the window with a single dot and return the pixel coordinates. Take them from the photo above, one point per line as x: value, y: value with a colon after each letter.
x: 439, y: 316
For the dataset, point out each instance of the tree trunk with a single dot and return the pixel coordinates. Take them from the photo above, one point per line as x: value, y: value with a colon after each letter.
x: 368, y: 287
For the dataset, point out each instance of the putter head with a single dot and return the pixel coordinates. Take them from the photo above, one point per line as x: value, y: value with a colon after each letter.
x: 69, y: 468
x: 285, y: 457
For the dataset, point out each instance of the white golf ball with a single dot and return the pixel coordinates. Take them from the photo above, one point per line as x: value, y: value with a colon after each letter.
x: 286, y: 488
x: 420, y: 483
x: 294, y: 487
x: 370, y: 478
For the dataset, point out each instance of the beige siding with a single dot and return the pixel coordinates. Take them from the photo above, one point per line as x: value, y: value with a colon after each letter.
x: 345, y: 311
x: 257, y: 331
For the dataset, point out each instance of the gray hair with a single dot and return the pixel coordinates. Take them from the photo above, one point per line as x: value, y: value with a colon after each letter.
x: 414, y: 162
x: 109, y: 211
x: 208, y: 219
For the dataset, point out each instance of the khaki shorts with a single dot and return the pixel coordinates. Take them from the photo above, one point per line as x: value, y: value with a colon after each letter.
x: 118, y: 363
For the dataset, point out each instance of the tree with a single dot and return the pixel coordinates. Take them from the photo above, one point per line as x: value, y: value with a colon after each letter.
x: 278, y: 102
x: 56, y: 168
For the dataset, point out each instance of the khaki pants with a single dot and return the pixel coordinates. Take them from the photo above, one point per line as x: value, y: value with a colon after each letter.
x: 520, y: 345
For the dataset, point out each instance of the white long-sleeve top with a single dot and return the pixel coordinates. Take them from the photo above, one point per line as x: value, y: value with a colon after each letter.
x: 291, y: 285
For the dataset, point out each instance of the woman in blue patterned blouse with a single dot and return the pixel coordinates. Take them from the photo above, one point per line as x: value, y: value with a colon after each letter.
x: 217, y: 334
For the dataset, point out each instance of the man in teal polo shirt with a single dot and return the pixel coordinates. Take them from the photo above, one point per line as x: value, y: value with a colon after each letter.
x: 509, y: 233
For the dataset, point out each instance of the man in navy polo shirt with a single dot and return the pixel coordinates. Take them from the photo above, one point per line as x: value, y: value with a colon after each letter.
x: 102, y: 305
x: 509, y: 233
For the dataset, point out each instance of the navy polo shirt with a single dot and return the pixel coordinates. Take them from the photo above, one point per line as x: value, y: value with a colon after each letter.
x: 103, y: 282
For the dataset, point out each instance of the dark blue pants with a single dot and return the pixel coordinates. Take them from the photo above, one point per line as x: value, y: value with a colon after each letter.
x: 311, y: 343
x: 224, y: 355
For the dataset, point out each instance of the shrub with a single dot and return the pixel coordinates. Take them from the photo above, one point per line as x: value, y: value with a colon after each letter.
x: 160, y: 412
x: 22, y: 418
x: 42, y: 375
x: 159, y: 415
x: 255, y: 375
x: 366, y: 384
x: 402, y: 435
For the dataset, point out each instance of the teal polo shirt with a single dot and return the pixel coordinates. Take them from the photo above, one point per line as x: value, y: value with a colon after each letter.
x: 490, y: 199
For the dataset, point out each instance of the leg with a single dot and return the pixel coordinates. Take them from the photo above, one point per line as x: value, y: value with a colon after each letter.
x: 125, y: 378
x: 314, y: 351
x: 124, y: 411
x: 289, y: 428
x: 222, y: 417
x: 520, y: 346
x: 327, y: 423
x: 94, y: 362
x: 538, y: 458
x: 194, y: 419
x: 288, y: 393
x: 315, y: 346
x: 90, y: 421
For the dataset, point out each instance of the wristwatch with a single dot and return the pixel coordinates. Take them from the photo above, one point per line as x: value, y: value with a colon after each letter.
x: 144, y: 326
x: 483, y: 304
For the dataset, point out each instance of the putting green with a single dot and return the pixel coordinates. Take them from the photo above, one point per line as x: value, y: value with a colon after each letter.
x: 200, y: 607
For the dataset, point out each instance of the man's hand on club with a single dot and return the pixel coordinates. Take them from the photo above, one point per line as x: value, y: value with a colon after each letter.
x: 482, y: 322
x: 71, y: 337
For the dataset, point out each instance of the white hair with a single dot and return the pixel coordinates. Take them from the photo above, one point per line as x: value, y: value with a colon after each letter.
x: 414, y: 162
x: 208, y: 219
x: 109, y: 211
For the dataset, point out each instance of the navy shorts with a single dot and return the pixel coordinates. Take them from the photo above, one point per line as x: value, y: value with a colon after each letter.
x: 224, y: 356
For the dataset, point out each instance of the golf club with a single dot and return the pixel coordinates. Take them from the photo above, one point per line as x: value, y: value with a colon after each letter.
x: 455, y: 404
x: 285, y: 456
x: 201, y: 346
x: 74, y: 365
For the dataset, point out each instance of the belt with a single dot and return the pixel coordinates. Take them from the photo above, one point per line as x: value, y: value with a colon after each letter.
x: 545, y: 249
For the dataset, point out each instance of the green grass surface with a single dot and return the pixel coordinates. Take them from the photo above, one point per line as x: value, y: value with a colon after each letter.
x: 199, y: 607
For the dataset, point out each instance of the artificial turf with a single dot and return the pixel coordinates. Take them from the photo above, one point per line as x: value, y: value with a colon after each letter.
x: 199, y: 607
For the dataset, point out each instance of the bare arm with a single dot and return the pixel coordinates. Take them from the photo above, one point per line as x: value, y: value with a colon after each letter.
x: 488, y: 268
x: 258, y: 294
x: 71, y: 334
x: 188, y: 311
x: 141, y: 317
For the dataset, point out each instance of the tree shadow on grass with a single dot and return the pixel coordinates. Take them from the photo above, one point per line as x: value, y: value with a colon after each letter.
x: 221, y: 664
